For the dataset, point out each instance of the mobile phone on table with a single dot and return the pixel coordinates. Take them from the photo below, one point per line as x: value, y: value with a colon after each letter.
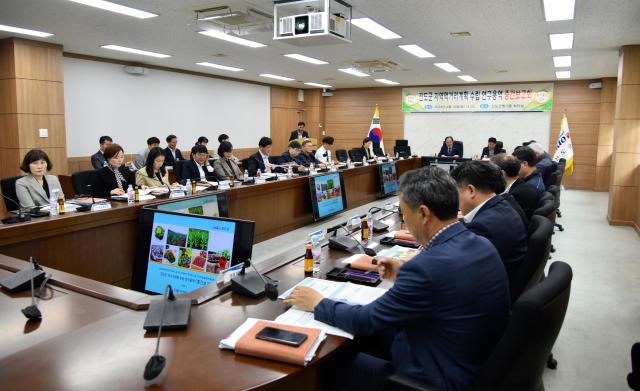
x: 285, y: 337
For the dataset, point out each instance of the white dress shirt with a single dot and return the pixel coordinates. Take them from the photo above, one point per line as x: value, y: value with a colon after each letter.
x: 320, y: 155
x: 265, y: 160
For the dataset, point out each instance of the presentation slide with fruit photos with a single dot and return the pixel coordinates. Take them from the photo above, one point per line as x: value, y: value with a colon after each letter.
x: 188, y: 252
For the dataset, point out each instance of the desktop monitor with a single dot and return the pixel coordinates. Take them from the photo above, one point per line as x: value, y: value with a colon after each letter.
x: 388, y: 178
x: 327, y: 195
x: 187, y: 251
x: 209, y: 204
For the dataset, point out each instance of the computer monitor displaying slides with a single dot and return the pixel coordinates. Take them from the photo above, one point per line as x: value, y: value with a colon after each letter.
x: 327, y: 195
x: 388, y: 177
x: 446, y: 163
x: 187, y: 251
x: 208, y: 204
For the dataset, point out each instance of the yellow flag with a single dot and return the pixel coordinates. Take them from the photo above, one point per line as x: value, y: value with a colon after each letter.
x: 564, y: 149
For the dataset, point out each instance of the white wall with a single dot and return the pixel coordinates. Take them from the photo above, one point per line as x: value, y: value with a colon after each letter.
x: 426, y: 131
x: 100, y: 99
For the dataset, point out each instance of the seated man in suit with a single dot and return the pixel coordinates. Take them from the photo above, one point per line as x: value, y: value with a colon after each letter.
x: 449, y: 149
x: 544, y: 165
x: 198, y: 168
x: 323, y: 153
x: 290, y: 156
x: 171, y: 152
x: 306, y: 158
x: 525, y: 194
x: 97, y: 159
x: 490, y: 149
x: 141, y: 159
x: 528, y: 171
x: 299, y: 133
x: 488, y: 215
x: 260, y: 160
x: 447, y: 309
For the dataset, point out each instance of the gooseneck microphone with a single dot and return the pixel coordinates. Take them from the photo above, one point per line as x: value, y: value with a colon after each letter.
x: 379, y: 226
x: 156, y: 363
x: 21, y: 217
x: 369, y: 251
x: 32, y: 312
x: 254, y: 284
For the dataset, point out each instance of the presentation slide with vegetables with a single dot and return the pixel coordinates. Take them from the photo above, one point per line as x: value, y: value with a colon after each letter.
x: 389, y: 178
x: 328, y: 194
x: 188, y: 252
x: 195, y: 206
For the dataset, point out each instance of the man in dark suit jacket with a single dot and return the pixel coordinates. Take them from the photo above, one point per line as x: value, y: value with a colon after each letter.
x: 97, y: 159
x: 299, y: 133
x: 290, y: 156
x: 528, y: 171
x: 307, y: 157
x: 171, y: 152
x: 444, y: 314
x: 260, y: 160
x: 491, y: 148
x: 198, y: 168
x: 449, y: 149
x: 524, y: 194
x: 488, y: 215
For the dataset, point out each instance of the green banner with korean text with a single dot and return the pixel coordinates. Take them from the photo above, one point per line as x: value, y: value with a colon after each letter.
x: 478, y: 98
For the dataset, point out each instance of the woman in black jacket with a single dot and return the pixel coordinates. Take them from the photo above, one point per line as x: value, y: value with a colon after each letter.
x: 115, y: 177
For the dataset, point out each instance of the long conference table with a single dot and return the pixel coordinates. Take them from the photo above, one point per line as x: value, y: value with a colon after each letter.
x: 101, y: 245
x: 91, y: 334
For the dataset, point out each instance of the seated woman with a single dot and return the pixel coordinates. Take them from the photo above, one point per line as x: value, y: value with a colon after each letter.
x: 226, y: 167
x: 114, y: 178
x: 198, y: 167
x: 34, y: 189
x: 153, y: 174
x: 367, y: 148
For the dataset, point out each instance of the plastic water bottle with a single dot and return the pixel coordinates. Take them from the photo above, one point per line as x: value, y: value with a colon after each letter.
x: 311, y: 168
x: 317, y: 255
x: 370, y: 222
x: 349, y: 164
x: 364, y: 161
x: 259, y: 173
x: 53, y: 202
x: 246, y: 174
x: 130, y: 195
x: 290, y: 171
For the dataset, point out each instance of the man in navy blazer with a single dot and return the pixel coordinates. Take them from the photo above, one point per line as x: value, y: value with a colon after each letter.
x: 489, y: 215
x: 528, y: 170
x: 449, y: 149
x: 198, y: 168
x: 260, y: 160
x: 447, y: 309
x: 171, y: 153
x: 524, y: 194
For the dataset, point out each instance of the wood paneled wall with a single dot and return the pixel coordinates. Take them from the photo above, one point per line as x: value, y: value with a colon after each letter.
x: 348, y: 115
x: 605, y: 134
x: 624, y: 199
x: 31, y: 98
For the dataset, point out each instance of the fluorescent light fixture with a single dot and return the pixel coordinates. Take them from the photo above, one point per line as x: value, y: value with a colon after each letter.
x: 218, y: 66
x: 353, y: 71
x: 135, y: 51
x: 19, y: 30
x: 374, y: 28
x: 563, y: 74
x: 318, y: 85
x: 270, y: 76
x: 467, y: 78
x: 121, y: 9
x: 216, y: 17
x: 385, y: 81
x: 445, y: 66
x: 231, y: 38
x: 416, y: 51
x: 561, y: 41
x: 561, y: 61
x: 310, y: 60
x: 559, y: 9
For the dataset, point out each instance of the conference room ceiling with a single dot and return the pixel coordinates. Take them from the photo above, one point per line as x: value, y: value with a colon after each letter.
x: 506, y: 35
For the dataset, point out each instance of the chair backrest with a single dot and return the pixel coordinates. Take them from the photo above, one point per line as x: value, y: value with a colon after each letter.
x: 84, y: 182
x: 341, y: 155
x: 519, y: 359
x: 8, y: 186
x: 499, y: 145
x: 355, y: 154
x: 402, y: 143
x: 547, y: 207
x: 177, y: 169
x: 402, y: 151
x: 555, y: 190
x: 378, y: 151
x: 530, y: 271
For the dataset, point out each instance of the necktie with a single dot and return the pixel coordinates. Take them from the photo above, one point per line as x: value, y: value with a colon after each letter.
x: 449, y: 151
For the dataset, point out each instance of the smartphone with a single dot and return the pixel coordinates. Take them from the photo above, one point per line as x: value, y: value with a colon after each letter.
x: 285, y: 337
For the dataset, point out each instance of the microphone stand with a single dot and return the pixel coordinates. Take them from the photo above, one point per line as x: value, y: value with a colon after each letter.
x: 20, y: 218
x: 156, y: 363
x: 249, y: 284
x: 369, y: 251
x: 32, y: 312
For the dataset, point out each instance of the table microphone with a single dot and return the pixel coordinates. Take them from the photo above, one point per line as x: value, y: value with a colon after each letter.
x: 270, y: 288
x: 249, y: 284
x: 21, y: 217
x: 156, y: 363
x: 379, y: 226
x: 32, y: 312
x: 369, y: 251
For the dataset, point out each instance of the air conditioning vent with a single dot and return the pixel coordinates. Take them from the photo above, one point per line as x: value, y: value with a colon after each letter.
x: 315, y: 22
x: 377, y: 66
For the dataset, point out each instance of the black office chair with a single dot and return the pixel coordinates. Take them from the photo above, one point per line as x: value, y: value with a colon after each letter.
x: 8, y: 186
x: 84, y: 182
x: 402, y: 143
x: 500, y: 147
x: 518, y: 361
x: 355, y: 154
x: 531, y: 270
x: 555, y: 190
x: 459, y: 144
x: 342, y: 155
x: 378, y: 151
x: 177, y: 169
x: 633, y: 379
x: 403, y: 151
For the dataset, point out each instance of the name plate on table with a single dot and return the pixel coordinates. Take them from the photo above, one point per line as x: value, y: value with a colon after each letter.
x: 355, y: 222
x: 100, y: 206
